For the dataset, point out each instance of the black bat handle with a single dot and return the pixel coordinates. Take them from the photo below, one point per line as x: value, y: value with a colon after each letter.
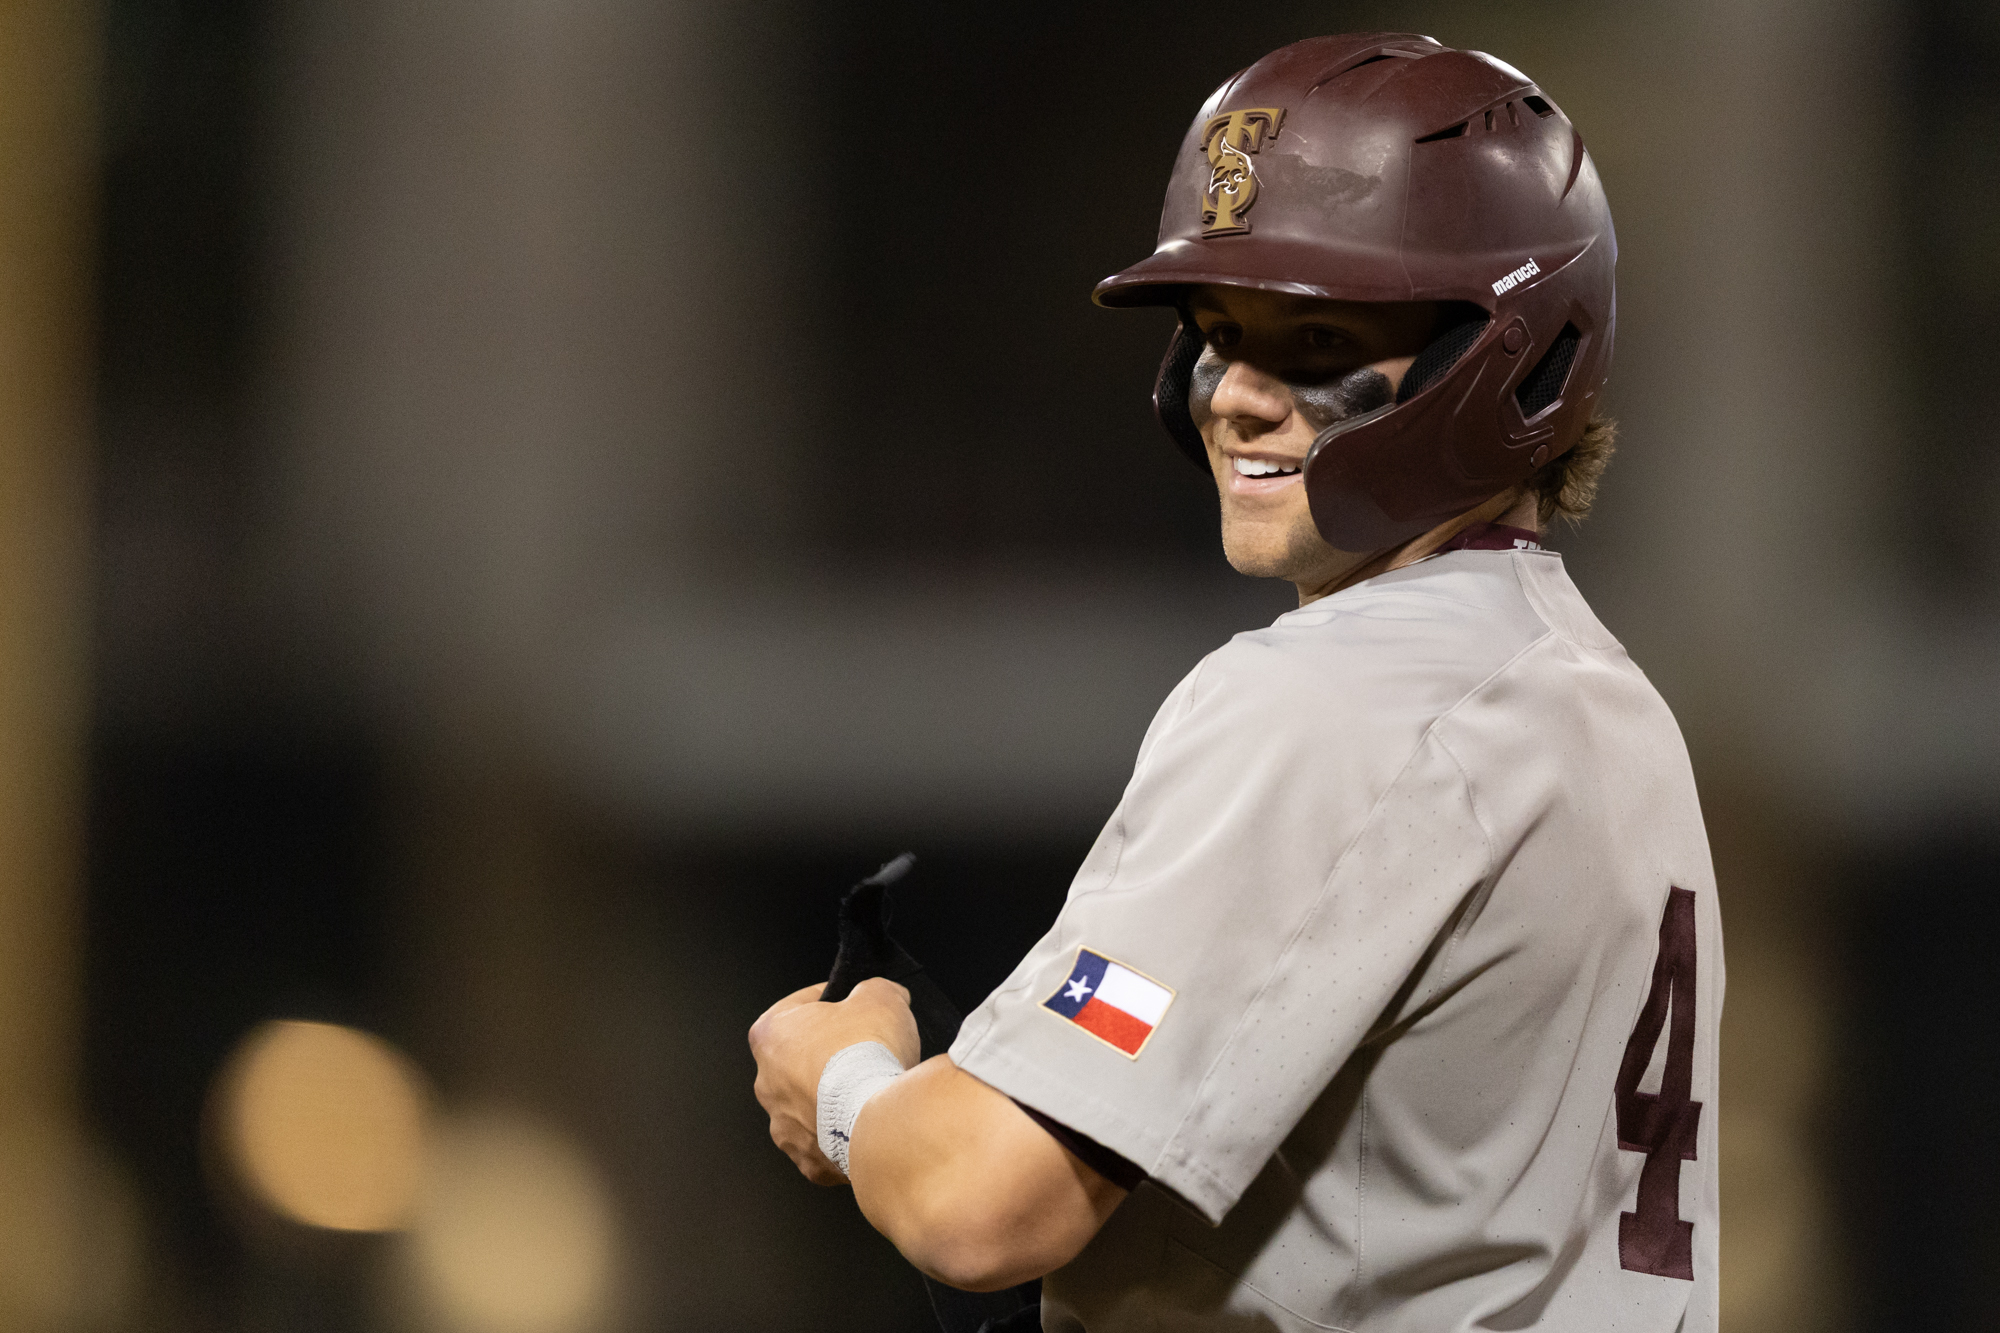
x: 868, y: 950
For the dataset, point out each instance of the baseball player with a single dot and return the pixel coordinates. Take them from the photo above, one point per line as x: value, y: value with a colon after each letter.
x: 1388, y: 997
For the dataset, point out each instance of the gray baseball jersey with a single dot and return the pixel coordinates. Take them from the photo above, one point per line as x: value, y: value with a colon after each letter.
x: 1398, y: 969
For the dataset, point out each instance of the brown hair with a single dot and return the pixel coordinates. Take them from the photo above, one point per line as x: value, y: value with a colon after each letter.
x: 1565, y: 487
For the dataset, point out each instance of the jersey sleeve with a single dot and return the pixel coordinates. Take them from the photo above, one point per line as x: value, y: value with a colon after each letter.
x: 1271, y: 879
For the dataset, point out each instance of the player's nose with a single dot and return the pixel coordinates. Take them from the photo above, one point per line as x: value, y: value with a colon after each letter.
x: 1251, y: 397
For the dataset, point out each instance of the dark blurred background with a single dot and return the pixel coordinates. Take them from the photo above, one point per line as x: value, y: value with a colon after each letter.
x: 514, y: 505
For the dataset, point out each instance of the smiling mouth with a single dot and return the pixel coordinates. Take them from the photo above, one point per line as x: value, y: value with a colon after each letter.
x: 1258, y: 467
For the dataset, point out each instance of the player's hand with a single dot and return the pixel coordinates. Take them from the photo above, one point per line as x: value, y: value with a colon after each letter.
x: 794, y: 1039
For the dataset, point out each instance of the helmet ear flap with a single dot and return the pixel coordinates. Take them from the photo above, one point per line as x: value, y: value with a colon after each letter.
x: 1170, y: 391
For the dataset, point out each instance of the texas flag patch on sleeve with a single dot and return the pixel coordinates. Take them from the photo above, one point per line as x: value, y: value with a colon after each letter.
x: 1110, y: 1001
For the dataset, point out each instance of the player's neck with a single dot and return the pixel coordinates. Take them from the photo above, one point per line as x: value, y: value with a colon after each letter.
x: 1514, y: 508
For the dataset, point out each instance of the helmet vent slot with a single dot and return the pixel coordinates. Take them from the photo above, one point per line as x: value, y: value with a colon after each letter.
x: 1449, y: 132
x: 1544, y: 384
x: 1443, y: 353
x: 1539, y: 105
x: 1376, y: 58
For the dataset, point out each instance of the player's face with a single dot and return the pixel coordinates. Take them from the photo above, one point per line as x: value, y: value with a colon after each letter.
x: 1277, y: 371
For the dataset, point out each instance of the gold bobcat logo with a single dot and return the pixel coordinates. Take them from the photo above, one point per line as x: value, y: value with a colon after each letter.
x: 1229, y: 139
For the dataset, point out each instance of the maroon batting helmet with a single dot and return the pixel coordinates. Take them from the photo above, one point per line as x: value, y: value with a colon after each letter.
x: 1386, y: 167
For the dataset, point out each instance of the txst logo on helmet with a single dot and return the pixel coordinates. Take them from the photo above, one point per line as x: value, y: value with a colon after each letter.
x: 1517, y: 277
x: 1229, y: 139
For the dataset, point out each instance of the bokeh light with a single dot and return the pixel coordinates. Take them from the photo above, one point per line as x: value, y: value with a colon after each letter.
x: 514, y: 1233
x: 325, y: 1125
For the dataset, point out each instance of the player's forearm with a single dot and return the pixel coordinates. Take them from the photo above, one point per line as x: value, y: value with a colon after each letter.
x: 970, y: 1189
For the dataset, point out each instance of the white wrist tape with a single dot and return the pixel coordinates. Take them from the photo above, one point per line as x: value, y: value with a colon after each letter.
x: 851, y: 1077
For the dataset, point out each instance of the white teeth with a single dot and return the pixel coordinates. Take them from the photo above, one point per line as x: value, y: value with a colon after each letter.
x: 1257, y: 467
